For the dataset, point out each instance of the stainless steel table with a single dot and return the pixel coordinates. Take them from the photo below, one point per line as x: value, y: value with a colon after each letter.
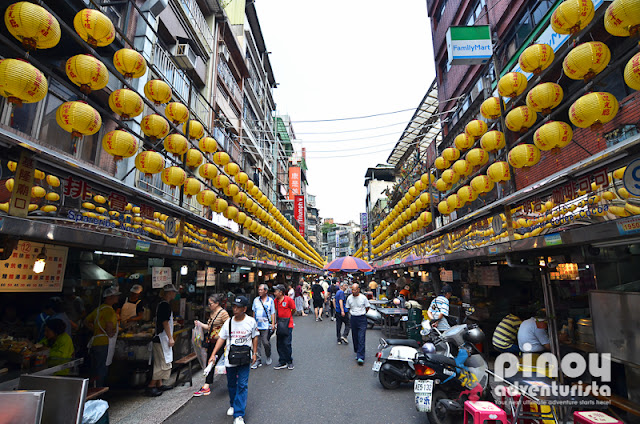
x: 389, y: 316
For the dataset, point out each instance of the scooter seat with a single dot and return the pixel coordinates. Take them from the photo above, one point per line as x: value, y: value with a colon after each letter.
x: 404, y: 342
x: 441, y: 359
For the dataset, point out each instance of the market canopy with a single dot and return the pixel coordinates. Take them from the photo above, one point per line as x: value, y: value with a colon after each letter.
x: 348, y: 264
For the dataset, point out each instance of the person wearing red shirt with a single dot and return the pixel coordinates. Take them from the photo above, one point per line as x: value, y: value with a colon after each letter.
x: 285, y: 307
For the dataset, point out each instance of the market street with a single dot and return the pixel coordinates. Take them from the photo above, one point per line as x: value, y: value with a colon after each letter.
x: 326, y: 386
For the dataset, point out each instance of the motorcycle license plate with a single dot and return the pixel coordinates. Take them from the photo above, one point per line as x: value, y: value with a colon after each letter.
x: 422, y: 390
x: 376, y: 366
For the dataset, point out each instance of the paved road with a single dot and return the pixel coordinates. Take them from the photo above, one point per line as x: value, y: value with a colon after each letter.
x: 327, y: 386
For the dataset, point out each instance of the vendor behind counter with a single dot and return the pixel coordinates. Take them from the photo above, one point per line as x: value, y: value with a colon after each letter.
x: 132, y: 309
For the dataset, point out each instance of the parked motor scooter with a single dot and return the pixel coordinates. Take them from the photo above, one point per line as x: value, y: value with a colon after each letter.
x: 374, y: 317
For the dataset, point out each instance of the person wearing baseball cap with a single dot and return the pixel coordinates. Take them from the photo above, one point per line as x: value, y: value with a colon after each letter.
x: 104, y: 323
x: 239, y: 330
x: 439, y: 308
x: 285, y: 307
x: 132, y: 309
x: 163, y: 343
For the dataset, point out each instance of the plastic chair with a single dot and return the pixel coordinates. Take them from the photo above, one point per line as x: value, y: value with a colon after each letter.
x: 481, y: 411
x: 593, y: 417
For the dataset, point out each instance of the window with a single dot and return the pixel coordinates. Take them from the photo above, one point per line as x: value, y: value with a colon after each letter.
x: 477, y: 11
x: 531, y: 17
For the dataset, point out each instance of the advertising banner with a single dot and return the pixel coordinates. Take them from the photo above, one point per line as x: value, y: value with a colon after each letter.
x: 298, y: 212
x: 294, y: 182
x: 469, y: 45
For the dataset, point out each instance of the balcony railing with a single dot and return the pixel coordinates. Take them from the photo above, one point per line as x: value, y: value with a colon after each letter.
x: 229, y: 80
x: 192, y: 10
x: 171, y: 74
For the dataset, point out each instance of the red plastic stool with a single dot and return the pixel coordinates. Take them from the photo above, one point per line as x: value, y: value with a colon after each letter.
x: 593, y: 417
x: 481, y: 411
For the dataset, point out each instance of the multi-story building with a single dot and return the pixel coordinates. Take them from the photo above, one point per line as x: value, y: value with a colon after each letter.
x: 341, y: 239
x: 379, y: 182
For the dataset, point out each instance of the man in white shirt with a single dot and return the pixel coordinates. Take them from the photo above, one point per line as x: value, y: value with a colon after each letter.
x: 439, y: 309
x: 532, y: 334
x: 358, y: 305
x: 264, y: 312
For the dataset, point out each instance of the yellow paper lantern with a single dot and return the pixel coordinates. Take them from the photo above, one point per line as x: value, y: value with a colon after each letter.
x: 512, y: 84
x: 632, y: 72
x: 442, y: 186
x: 154, y: 126
x: 208, y: 144
x: 536, y: 58
x: 467, y: 194
x: 231, y: 212
x: 149, y: 162
x: 78, y: 118
x: 241, y: 218
x: 221, y: 158
x: 176, y: 112
x: 553, y: 136
x: 442, y: 163
x: 490, y: 108
x: 158, y: 91
x: 572, y: 16
x: 413, y: 192
x: 586, y: 60
x: 622, y: 18
x: 451, y: 154
x: 195, y: 131
x: 427, y: 179
x: 220, y: 181
x: 426, y: 218
x: 21, y: 82
x: 38, y: 192
x: 194, y: 158
x: 593, y: 110
x: 444, y: 208
x: 232, y: 168
x: 482, y: 184
x: 33, y: 25
x: 120, y: 144
x: 219, y: 205
x: 462, y: 167
x: 450, y: 176
x: 464, y: 142
x: 53, y: 181
x: 126, y: 103
x: 130, y: 63
x: 493, y: 141
x: 477, y: 157
x: 241, y: 178
x: 173, y: 176
x: 476, y: 128
x: 176, y: 144
x: 206, y: 198
x: 254, y: 191
x: 524, y: 156
x: 544, y: 97
x: 231, y: 190
x: 521, y: 118
x: 87, y: 72
x: 499, y: 172
x: 94, y: 27
x: 249, y: 185
x: 454, y: 202
x: 192, y: 187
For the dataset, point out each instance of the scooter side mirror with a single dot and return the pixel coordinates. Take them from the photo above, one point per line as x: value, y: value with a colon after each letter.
x: 426, y: 325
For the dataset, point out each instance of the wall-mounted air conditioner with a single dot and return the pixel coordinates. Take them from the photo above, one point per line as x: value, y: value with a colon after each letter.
x: 185, y: 56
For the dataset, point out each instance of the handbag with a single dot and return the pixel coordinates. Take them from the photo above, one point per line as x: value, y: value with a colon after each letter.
x: 212, y: 333
x: 238, y: 355
x: 268, y: 317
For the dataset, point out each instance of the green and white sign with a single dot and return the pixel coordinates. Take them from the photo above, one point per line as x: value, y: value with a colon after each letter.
x: 469, y: 45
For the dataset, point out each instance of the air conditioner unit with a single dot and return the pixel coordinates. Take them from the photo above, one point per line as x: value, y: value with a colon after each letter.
x: 185, y: 56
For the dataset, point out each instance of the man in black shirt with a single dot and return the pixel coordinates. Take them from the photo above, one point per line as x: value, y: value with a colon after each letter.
x: 317, y: 293
x: 163, y: 343
x: 333, y: 289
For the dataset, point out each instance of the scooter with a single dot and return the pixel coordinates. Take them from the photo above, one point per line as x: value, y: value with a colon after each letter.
x: 374, y: 317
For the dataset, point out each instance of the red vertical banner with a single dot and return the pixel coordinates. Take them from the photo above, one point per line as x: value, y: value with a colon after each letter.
x: 294, y: 182
x: 298, y: 211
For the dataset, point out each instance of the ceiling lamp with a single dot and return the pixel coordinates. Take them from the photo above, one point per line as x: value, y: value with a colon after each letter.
x: 173, y: 176
x: 536, y: 58
x: 572, y: 16
x: 33, y: 25
x: 206, y: 198
x: 192, y: 187
x: 194, y: 158
x: 78, y: 118
x: 195, y: 131
x: 586, y: 60
x: 130, y: 63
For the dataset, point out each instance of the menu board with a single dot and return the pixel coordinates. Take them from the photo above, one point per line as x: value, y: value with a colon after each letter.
x: 487, y: 275
x: 160, y: 277
x: 16, y: 273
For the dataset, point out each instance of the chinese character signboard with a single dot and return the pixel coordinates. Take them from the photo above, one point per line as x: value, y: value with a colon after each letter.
x: 23, y: 183
x: 16, y: 273
x: 364, y: 223
x: 298, y: 212
x: 160, y: 277
x: 294, y: 182
x: 469, y: 45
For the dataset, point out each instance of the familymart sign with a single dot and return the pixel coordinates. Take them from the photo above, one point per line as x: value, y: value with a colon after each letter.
x: 469, y: 45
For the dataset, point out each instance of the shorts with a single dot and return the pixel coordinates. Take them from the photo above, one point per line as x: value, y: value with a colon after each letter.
x: 161, y: 370
x: 318, y: 302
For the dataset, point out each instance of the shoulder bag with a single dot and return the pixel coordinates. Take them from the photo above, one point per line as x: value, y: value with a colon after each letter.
x: 268, y: 317
x: 213, y: 332
x: 238, y: 355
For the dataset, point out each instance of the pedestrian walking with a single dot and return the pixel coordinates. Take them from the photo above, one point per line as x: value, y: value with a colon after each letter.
x: 299, y: 300
x: 342, y: 315
x: 317, y: 294
x: 358, y: 305
x: 285, y: 308
x: 163, y: 343
x: 217, y: 317
x: 241, y: 334
x: 327, y: 301
x: 264, y: 312
x: 333, y: 289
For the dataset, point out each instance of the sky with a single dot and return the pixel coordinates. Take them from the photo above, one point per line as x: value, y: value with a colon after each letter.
x: 345, y: 59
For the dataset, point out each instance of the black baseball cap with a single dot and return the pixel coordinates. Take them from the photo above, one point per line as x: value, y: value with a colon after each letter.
x: 240, y: 301
x: 447, y: 289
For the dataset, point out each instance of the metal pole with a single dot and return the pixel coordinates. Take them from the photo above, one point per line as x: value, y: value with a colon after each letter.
x: 551, y: 316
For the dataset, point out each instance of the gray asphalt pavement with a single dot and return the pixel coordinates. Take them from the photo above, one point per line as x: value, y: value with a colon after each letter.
x: 326, y: 386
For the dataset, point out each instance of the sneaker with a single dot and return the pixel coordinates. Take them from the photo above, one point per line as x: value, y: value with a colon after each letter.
x: 333, y: 318
x: 290, y: 366
x: 339, y: 342
x: 152, y: 392
x: 254, y: 366
x: 280, y: 367
x: 230, y: 411
x: 238, y: 420
x: 317, y: 320
x: 202, y: 392
x: 344, y: 340
x: 320, y: 318
x: 269, y: 361
x: 360, y: 361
